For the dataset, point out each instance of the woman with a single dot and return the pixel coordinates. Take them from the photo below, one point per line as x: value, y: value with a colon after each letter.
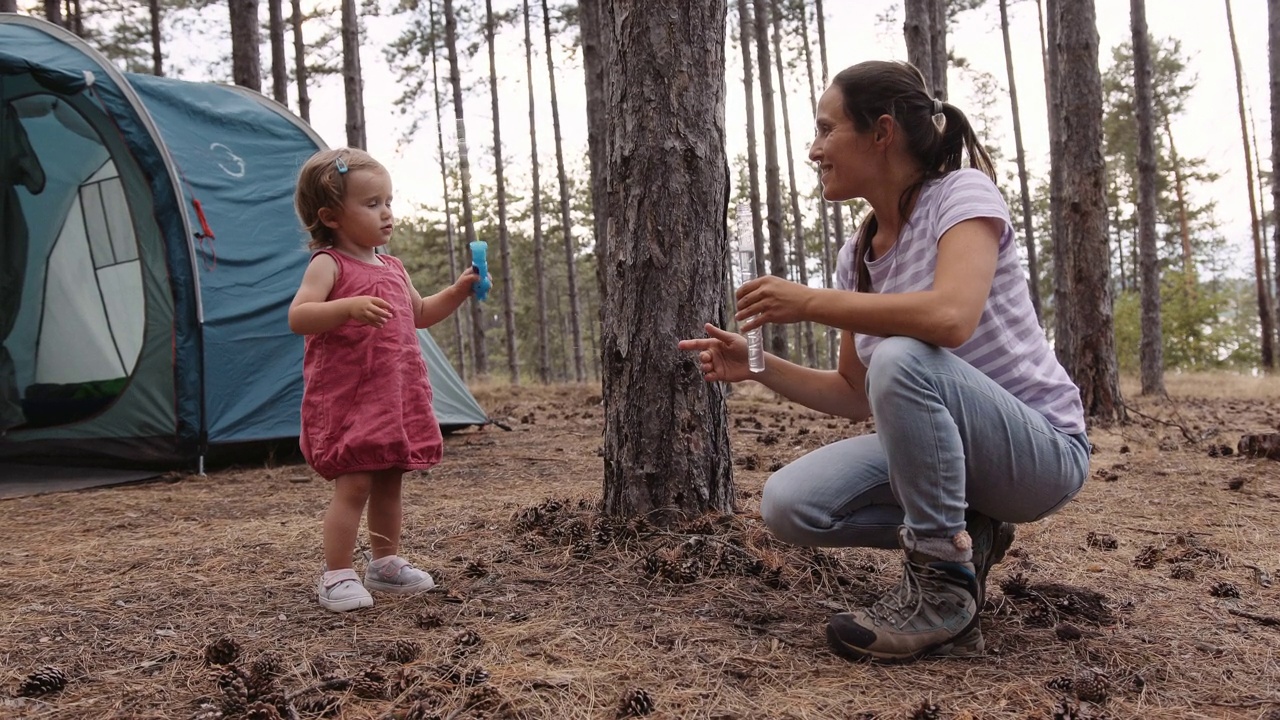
x: 977, y: 424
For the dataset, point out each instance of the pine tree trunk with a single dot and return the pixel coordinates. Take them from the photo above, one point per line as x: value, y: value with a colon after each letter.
x: 938, y: 46
x: 544, y: 344
x: 1184, y: 228
x: 775, y: 337
x: 746, y: 36
x: 1085, y: 322
x: 157, y: 55
x: 828, y: 247
x: 666, y: 450
x: 459, y: 336
x: 52, y: 11
x: 1259, y: 263
x: 917, y: 31
x: 504, y: 238
x: 1028, y: 225
x: 797, y: 220
x: 10, y: 6
x: 352, y: 79
x: 75, y: 18
x: 837, y: 213
x: 1151, y: 352
x: 300, y: 62
x: 246, y: 68
x: 593, y: 38
x: 1273, y: 56
x: 479, y: 348
x: 566, y: 221
x: 279, y: 68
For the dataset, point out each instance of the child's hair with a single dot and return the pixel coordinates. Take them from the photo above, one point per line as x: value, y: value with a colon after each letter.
x: 897, y: 89
x: 322, y: 183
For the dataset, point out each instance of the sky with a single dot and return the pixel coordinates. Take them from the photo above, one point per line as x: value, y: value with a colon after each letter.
x: 1210, y: 127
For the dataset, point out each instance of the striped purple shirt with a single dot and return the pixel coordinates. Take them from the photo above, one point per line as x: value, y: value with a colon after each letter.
x: 1008, y: 345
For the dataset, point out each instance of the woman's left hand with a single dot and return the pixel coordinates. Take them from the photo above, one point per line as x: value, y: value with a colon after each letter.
x: 771, y: 299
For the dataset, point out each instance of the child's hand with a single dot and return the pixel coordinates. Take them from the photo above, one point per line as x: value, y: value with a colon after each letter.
x: 370, y: 310
x: 467, y: 280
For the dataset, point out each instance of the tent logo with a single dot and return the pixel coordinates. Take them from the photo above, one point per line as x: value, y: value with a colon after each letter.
x: 239, y: 171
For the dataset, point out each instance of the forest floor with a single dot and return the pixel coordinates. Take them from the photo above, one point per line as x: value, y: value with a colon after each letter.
x: 1152, y: 595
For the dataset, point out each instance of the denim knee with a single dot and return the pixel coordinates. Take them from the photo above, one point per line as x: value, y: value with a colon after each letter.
x: 893, y: 359
x: 778, y: 506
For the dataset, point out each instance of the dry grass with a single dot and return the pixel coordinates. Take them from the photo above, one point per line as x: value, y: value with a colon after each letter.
x: 124, y: 588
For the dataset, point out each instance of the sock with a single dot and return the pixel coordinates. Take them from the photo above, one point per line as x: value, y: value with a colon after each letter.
x: 957, y: 549
x: 382, y: 562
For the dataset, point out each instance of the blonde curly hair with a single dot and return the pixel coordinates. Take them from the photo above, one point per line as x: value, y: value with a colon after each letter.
x: 322, y: 184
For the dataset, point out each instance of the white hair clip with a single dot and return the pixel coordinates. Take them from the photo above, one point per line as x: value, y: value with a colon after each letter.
x: 939, y: 119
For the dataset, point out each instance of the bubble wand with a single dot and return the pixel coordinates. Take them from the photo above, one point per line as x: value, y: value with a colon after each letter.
x: 480, y: 261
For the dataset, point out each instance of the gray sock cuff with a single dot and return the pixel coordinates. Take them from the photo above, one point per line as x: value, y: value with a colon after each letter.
x: 958, y: 549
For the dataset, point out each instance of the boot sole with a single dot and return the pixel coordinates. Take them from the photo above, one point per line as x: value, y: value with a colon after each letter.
x: 857, y: 654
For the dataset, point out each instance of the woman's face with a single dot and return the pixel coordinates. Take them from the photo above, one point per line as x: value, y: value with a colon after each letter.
x: 840, y: 151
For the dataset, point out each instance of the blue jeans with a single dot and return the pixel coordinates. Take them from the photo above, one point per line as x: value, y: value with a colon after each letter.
x: 948, y: 439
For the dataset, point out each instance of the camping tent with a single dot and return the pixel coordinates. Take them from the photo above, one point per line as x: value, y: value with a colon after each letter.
x: 148, y: 256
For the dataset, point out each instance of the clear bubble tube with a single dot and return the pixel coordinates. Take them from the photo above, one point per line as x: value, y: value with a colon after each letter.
x: 744, y: 254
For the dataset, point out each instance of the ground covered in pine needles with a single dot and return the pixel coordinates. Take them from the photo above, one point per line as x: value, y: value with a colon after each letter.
x: 1153, y: 595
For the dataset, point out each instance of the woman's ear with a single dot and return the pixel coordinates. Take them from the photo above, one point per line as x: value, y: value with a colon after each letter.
x: 883, y: 129
x: 328, y: 217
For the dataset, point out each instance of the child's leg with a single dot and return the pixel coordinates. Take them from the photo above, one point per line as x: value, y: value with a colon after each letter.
x: 385, y: 513
x: 342, y: 521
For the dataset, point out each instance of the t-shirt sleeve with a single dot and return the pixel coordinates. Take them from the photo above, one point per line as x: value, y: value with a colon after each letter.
x: 844, y: 266
x: 970, y: 194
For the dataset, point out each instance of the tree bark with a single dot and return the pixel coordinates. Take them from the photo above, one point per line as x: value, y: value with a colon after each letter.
x: 52, y: 11
x: 300, y: 62
x: 352, y: 79
x: 593, y: 39
x: 1086, y: 329
x: 1259, y: 263
x: 1028, y: 225
x: 279, y: 67
x: 1184, y: 228
x: 666, y: 430
x: 544, y: 345
x: 9, y: 6
x: 917, y: 30
x: 775, y: 337
x: 1273, y: 59
x: 938, y: 46
x: 157, y: 55
x: 828, y: 247
x: 837, y: 213
x: 459, y: 342
x: 1151, y: 350
x: 504, y: 238
x: 246, y: 68
x: 566, y: 220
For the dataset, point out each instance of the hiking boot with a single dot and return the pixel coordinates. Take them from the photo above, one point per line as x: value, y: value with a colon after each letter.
x: 933, y: 611
x: 991, y: 540
x: 341, y: 591
x: 394, y: 574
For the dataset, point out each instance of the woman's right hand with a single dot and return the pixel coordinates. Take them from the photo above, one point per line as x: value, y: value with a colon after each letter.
x: 722, y: 355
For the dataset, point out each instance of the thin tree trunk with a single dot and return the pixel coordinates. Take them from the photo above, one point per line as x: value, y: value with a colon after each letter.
x: 10, y: 6
x: 504, y: 239
x: 1085, y: 321
x: 157, y: 56
x: 776, y: 337
x: 666, y: 450
x: 593, y: 39
x: 300, y: 61
x: 1184, y: 228
x: 1259, y: 264
x: 746, y: 35
x: 917, y: 31
x: 828, y: 247
x: 1273, y: 56
x: 544, y: 347
x: 566, y: 221
x: 246, y: 68
x: 279, y: 67
x: 52, y: 11
x: 1044, y: 52
x: 1151, y: 350
x: 479, y: 348
x: 75, y: 18
x: 938, y: 46
x: 459, y: 344
x: 352, y: 79
x: 837, y: 212
x: 805, y: 329
x: 1028, y: 225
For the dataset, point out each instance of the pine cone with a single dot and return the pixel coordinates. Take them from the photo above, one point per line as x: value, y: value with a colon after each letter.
x: 1102, y: 541
x: 403, y: 651
x: 927, y: 711
x: 475, y: 569
x: 636, y: 703
x: 235, y: 694
x: 1148, y: 558
x: 404, y: 680
x: 1039, y: 616
x: 318, y: 704
x: 1272, y: 714
x: 1066, y: 710
x: 1062, y: 683
x: 260, y: 687
x: 47, y: 679
x: 261, y: 711
x: 1091, y: 687
x: 267, y: 665
x: 1224, y: 590
x: 1182, y: 571
x: 483, y: 699
x: 465, y: 677
x: 207, y: 711
x: 467, y: 638
x: 428, y: 621
x: 422, y: 710
x: 370, y: 684
x: 321, y: 666
x: 223, y: 651
x: 1015, y: 586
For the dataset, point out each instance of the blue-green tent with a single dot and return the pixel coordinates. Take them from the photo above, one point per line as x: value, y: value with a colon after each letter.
x: 148, y: 255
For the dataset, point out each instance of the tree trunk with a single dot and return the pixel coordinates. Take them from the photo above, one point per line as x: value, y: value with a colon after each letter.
x: 52, y: 11
x: 938, y: 46
x: 1259, y: 264
x: 776, y: 338
x: 10, y: 6
x: 1184, y: 228
x: 666, y: 430
x: 479, y: 348
x: 300, y: 62
x: 566, y: 221
x: 246, y: 68
x: 837, y: 213
x: 746, y: 35
x: 1273, y: 55
x: 157, y: 55
x: 797, y: 220
x: 279, y: 68
x: 1086, y: 329
x: 828, y: 247
x: 1151, y: 352
x: 459, y: 343
x: 352, y: 79
x: 544, y: 346
x: 75, y: 18
x: 504, y: 239
x: 1028, y: 226
x: 593, y: 39
x: 917, y: 30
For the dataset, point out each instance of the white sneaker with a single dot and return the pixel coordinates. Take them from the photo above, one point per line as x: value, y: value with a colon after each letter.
x: 394, y: 574
x: 341, y: 591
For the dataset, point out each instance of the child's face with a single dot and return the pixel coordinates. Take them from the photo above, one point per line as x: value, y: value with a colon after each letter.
x: 365, y: 219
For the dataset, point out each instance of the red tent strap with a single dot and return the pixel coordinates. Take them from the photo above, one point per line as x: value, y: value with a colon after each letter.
x: 205, y: 235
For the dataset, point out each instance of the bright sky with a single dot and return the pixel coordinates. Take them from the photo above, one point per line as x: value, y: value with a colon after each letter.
x: 1209, y: 129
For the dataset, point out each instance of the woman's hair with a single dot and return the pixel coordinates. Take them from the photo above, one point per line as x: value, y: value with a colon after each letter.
x: 897, y: 89
x: 322, y: 182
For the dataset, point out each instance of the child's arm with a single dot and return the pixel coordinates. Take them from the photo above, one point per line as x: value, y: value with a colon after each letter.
x: 432, y: 309
x: 312, y: 312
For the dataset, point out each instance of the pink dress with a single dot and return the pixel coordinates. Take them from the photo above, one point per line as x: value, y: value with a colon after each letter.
x: 366, y: 402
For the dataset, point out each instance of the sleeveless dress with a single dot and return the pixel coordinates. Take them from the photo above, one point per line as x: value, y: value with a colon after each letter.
x: 366, y: 402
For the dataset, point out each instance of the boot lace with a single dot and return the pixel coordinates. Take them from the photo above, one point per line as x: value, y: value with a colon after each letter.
x: 916, y: 588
